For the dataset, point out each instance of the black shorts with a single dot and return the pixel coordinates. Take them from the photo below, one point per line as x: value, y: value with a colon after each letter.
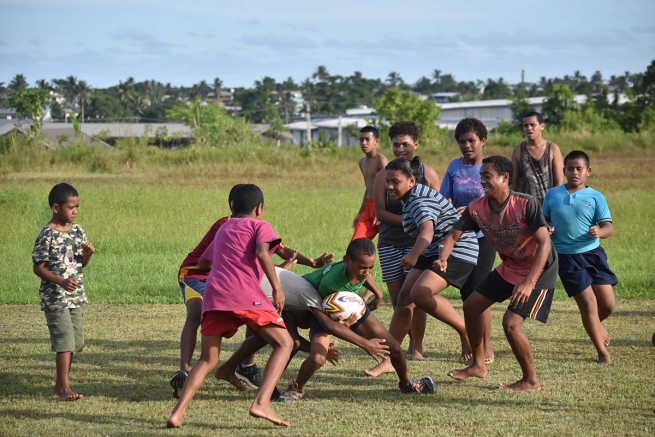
x: 486, y: 259
x: 457, y: 271
x: 579, y: 271
x: 537, y: 307
x: 315, y: 326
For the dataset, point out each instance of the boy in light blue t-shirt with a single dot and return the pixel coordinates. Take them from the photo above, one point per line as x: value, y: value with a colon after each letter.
x: 580, y: 218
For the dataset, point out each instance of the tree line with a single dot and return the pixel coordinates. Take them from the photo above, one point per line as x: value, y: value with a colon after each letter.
x: 276, y: 103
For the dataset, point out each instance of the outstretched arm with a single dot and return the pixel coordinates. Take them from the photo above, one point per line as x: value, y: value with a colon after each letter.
x: 266, y: 262
x: 374, y: 347
x: 287, y: 252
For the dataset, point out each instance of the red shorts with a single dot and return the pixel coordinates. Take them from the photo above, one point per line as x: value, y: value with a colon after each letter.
x: 364, y: 227
x: 227, y: 323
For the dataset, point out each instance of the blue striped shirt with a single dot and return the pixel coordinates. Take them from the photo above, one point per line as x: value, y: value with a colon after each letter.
x: 425, y: 204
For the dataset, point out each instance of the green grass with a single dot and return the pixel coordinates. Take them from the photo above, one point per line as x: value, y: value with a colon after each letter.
x: 131, y: 352
x: 143, y: 223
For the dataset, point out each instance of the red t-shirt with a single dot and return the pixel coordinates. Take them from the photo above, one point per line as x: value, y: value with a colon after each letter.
x: 189, y: 268
x: 510, y: 231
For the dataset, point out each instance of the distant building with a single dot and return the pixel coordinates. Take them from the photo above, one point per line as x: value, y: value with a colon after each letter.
x: 342, y: 131
x: 443, y: 97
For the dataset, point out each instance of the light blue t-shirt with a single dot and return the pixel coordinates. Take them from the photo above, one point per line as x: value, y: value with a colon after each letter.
x: 461, y: 184
x: 572, y: 215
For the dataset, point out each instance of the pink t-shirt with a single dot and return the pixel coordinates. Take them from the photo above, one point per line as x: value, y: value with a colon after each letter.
x: 234, y: 280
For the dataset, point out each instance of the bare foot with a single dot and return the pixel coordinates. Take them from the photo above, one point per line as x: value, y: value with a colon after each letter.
x: 230, y: 377
x: 417, y: 356
x: 604, y: 359
x: 383, y: 367
x: 607, y: 339
x: 521, y: 386
x: 467, y: 352
x: 67, y: 396
x: 175, y: 421
x: 266, y: 412
x: 468, y: 372
x: 488, y: 359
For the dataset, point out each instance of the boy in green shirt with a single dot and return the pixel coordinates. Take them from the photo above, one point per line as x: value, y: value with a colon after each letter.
x: 352, y: 274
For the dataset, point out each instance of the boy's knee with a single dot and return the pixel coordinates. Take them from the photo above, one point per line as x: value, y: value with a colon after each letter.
x: 471, y: 309
x: 511, y: 325
x: 296, y: 344
x: 317, y: 360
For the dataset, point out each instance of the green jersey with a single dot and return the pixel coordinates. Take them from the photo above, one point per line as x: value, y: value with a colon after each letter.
x: 332, y: 278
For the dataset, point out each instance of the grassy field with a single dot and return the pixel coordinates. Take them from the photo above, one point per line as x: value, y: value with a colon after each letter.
x: 124, y: 374
x: 146, y: 209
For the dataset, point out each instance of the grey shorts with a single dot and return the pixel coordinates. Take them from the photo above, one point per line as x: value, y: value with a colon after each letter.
x: 66, y: 331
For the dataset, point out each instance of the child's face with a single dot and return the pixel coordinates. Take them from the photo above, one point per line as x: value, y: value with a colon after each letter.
x: 66, y: 212
x: 403, y: 146
x: 399, y: 184
x: 532, y: 128
x: 576, y: 172
x: 471, y: 145
x: 360, y: 268
x: 492, y: 182
x: 367, y: 141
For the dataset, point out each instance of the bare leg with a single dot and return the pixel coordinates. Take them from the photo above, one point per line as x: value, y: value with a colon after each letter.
x: 210, y: 351
x: 62, y: 390
x: 190, y: 332
x: 400, y: 321
x: 249, y: 347
x: 425, y: 295
x: 372, y: 328
x: 250, y: 359
x: 606, y: 304
x: 588, y: 306
x: 280, y: 340
x: 318, y: 350
x: 474, y: 306
x: 488, y: 347
x: 416, y: 335
x: 513, y: 326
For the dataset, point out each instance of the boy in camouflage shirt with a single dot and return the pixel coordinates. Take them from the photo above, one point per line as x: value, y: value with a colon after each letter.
x: 60, y: 252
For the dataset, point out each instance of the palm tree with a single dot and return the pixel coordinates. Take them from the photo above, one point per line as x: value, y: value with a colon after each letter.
x: 321, y: 73
x: 126, y: 92
x: 71, y: 92
x: 217, y: 89
x: 394, y: 79
x: 83, y: 94
x: 18, y: 83
x: 43, y: 84
x: 139, y: 105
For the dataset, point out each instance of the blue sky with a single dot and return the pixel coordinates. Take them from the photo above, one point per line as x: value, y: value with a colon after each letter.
x: 183, y: 42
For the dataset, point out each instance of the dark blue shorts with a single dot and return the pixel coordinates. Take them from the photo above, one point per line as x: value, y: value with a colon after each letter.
x: 315, y: 326
x: 579, y: 271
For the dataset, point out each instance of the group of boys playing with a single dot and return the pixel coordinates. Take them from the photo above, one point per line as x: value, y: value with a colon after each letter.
x: 273, y: 302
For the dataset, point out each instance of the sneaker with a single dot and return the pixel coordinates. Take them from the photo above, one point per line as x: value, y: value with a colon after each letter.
x: 424, y: 386
x: 291, y: 394
x: 275, y: 396
x: 249, y: 375
x: 177, y: 382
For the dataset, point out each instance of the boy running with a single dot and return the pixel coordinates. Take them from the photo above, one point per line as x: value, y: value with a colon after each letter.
x: 580, y: 217
x: 365, y: 223
x: 537, y: 162
x: 60, y: 253
x: 240, y: 255
x: 514, y: 225
x: 192, y: 279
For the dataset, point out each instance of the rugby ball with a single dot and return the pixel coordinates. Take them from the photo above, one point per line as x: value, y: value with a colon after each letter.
x: 342, y: 304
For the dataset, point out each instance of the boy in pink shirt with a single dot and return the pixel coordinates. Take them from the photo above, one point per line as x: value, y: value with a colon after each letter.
x: 239, y: 256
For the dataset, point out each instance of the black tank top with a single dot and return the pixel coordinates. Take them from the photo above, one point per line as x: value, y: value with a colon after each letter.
x: 394, y: 235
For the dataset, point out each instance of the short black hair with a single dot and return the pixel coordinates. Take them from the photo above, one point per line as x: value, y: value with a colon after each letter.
x: 60, y: 194
x: 404, y: 165
x: 230, y: 197
x: 540, y: 118
x: 404, y: 128
x: 374, y: 130
x: 246, y: 198
x: 471, y: 125
x: 501, y: 164
x: 578, y: 154
x: 359, y: 247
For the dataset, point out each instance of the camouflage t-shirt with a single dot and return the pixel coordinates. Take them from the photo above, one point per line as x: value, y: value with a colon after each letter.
x: 62, y: 253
